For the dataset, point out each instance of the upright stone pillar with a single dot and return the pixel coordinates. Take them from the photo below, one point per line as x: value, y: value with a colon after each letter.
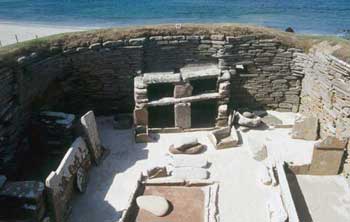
x: 183, y: 115
x: 141, y: 116
x: 183, y: 90
x: 92, y: 136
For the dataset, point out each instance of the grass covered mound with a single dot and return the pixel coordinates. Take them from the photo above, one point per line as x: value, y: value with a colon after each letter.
x: 85, y: 38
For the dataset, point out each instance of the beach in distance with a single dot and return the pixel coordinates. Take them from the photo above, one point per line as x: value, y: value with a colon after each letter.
x: 26, y: 19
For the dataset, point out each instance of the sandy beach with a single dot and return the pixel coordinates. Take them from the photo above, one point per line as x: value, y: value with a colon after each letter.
x: 8, y: 31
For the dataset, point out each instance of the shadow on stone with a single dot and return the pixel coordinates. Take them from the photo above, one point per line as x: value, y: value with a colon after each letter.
x: 298, y: 197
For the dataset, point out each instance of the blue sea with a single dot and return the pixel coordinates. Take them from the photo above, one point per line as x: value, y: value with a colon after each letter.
x: 304, y: 16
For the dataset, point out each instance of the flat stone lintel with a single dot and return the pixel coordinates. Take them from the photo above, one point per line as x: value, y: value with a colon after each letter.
x: 171, y: 100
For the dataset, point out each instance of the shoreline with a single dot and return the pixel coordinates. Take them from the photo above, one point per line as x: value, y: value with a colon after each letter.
x: 10, y: 30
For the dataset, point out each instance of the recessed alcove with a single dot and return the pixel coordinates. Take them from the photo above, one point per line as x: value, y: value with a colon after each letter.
x: 201, y: 86
x: 204, y: 113
x: 161, y: 116
x: 160, y: 90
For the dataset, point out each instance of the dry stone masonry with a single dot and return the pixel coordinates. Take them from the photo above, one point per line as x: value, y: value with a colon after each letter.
x: 170, y: 81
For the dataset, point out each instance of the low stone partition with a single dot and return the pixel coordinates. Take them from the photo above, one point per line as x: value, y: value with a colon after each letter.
x: 69, y: 177
x: 286, y: 194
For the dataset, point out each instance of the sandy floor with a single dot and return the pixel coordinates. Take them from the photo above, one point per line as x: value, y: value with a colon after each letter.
x: 29, y: 31
x: 112, y: 183
x: 240, y: 193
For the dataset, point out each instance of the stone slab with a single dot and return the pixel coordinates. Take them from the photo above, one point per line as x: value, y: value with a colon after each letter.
x: 200, y: 72
x: 327, y: 156
x: 61, y: 182
x: 183, y: 115
x: 92, y: 136
x: 305, y: 127
x: 182, y: 90
x: 156, y: 78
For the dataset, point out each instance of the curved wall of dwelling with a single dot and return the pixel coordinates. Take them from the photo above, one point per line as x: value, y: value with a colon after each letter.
x: 99, y: 76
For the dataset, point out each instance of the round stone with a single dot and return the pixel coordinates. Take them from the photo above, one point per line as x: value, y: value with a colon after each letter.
x: 248, y: 114
x: 156, y: 205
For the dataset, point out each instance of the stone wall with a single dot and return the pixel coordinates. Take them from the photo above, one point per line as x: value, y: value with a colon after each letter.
x: 10, y: 131
x: 326, y: 92
x: 99, y: 75
x: 266, y: 80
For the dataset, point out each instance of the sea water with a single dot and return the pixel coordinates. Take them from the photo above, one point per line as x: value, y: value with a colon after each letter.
x: 304, y: 16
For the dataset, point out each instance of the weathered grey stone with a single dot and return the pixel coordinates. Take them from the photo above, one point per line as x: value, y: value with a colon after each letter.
x: 81, y: 49
x: 156, y: 172
x: 92, y: 136
x: 183, y: 90
x: 190, y: 150
x: 166, y: 77
x: 183, y: 115
x: 184, y: 143
x: 22, y: 59
x: 248, y: 114
x: 156, y: 205
x: 199, y: 72
x: 305, y: 127
x: 225, y: 137
x: 137, y: 41
x: 327, y: 156
x: 223, y: 109
x: 95, y: 46
x: 188, y: 173
x: 113, y: 44
x: 249, y: 122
